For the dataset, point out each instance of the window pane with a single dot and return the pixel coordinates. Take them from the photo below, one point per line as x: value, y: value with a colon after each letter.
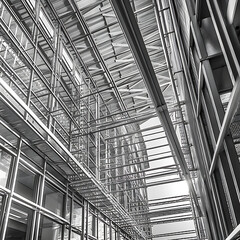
x: 75, y: 236
x: 107, y: 232
x: 5, y: 161
x: 66, y: 234
x: 25, y: 183
x: 113, y: 234
x: 77, y: 215
x: 1, y: 203
x: 53, y: 199
x: 19, y: 223
x: 50, y: 230
x: 121, y: 237
x: 67, y: 59
x: 100, y: 230
x: 46, y: 24
x: 32, y: 157
x: 91, y: 224
x: 68, y: 209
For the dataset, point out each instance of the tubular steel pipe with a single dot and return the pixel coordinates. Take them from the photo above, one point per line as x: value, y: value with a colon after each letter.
x: 234, y: 233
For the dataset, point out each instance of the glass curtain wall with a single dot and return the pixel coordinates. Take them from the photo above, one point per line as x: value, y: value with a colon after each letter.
x: 39, y: 204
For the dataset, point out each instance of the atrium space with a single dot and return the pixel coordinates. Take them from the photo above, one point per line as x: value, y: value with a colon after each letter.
x: 119, y: 120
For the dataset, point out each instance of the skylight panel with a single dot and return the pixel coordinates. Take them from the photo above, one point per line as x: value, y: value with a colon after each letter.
x: 31, y: 3
x: 46, y: 23
x: 67, y: 59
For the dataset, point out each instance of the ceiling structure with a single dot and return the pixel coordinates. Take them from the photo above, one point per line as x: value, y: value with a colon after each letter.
x: 127, y: 103
x: 125, y: 58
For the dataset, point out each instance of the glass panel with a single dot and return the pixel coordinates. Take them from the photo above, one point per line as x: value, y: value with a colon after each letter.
x: 67, y: 59
x: 78, y: 78
x: 19, y: 223
x: 25, y: 183
x: 117, y: 235
x: 85, y: 216
x: 107, y: 232
x: 46, y: 24
x: 77, y: 215
x: 31, y: 3
x: 113, y: 234
x: 32, y: 157
x: 53, y: 199
x: 121, y: 237
x: 50, y: 230
x: 66, y: 233
x: 91, y: 224
x: 5, y: 161
x: 55, y: 172
x: 68, y: 209
x: 100, y: 230
x: 1, y: 203
x: 90, y: 217
x: 75, y: 236
x: 8, y: 138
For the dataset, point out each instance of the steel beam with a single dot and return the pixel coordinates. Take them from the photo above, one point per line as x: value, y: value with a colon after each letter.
x: 231, y: 109
x: 234, y: 233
